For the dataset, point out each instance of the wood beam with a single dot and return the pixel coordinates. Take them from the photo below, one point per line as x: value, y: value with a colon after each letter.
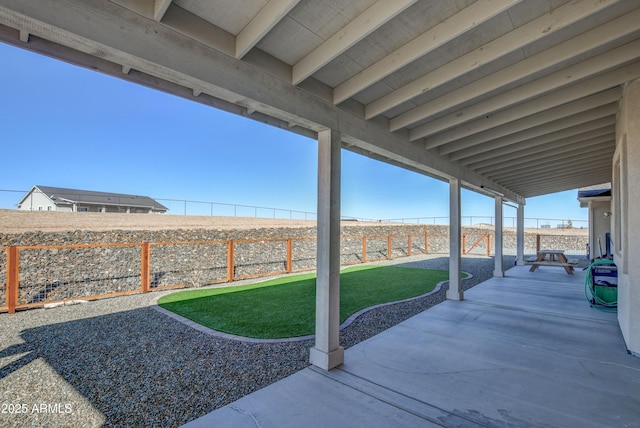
x: 567, y: 184
x: 506, y: 162
x: 538, y: 119
x: 563, y: 185
x: 516, y: 39
x: 452, y: 27
x: 610, y: 32
x: 551, y: 174
x: 196, y: 28
x: 359, y: 28
x: 171, y: 61
x: 261, y: 24
x: 160, y: 8
x: 541, y: 165
x: 545, y: 102
x: 570, y: 134
x: 549, y: 128
x: 513, y: 104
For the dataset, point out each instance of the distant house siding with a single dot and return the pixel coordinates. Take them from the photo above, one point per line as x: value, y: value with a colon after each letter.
x: 111, y: 209
x: 37, y: 201
x: 45, y: 198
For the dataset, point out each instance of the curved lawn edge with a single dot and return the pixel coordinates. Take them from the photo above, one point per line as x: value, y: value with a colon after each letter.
x: 345, y: 324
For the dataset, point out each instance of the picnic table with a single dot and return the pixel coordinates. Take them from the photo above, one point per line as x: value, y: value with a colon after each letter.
x: 552, y: 258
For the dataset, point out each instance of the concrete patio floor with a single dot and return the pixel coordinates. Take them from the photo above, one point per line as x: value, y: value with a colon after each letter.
x: 523, y: 350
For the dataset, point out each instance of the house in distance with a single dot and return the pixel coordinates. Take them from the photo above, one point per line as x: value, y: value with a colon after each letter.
x: 46, y: 198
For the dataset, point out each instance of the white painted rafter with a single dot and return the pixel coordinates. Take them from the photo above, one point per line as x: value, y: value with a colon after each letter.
x: 604, y: 111
x: 502, y: 162
x: 452, y: 27
x: 601, y: 153
x: 553, y: 88
x: 577, y: 169
x: 160, y: 8
x: 261, y: 24
x: 175, y: 62
x: 564, y: 177
x: 607, y: 33
x: 589, y: 129
x: 370, y: 20
x: 559, y: 184
x: 528, y: 122
x: 190, y: 51
x: 516, y: 39
x: 571, y: 181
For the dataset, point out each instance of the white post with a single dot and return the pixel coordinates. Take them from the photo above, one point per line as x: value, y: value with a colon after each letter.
x: 520, y: 236
x: 327, y: 352
x: 455, y: 236
x: 499, y: 269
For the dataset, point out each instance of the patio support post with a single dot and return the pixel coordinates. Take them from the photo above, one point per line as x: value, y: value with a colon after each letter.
x: 327, y: 352
x: 498, y: 268
x: 455, y: 249
x: 520, y: 236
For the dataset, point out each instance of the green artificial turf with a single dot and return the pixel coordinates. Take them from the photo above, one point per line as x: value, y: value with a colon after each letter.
x: 285, y: 307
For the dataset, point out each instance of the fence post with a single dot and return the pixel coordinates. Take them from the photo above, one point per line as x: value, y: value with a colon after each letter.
x: 488, y: 245
x: 464, y: 244
x: 230, y: 261
x: 389, y: 247
x: 426, y: 242
x: 146, y: 267
x: 364, y: 249
x: 289, y: 254
x: 537, y: 243
x: 13, y: 266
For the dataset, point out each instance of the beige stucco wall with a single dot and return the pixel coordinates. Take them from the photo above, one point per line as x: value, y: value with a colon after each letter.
x: 626, y: 215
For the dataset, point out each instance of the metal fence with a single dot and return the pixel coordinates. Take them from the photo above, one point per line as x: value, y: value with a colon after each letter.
x: 8, y: 200
x: 474, y: 220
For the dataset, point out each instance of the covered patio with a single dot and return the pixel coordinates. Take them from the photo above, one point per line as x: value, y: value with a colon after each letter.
x: 525, y: 349
x: 511, y: 99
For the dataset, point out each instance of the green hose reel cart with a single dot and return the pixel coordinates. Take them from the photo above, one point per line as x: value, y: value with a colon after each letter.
x: 601, y: 284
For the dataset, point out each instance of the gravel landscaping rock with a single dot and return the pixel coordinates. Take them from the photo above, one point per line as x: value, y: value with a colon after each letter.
x: 118, y: 362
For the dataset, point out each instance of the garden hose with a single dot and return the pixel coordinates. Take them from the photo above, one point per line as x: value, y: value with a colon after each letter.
x: 589, y: 288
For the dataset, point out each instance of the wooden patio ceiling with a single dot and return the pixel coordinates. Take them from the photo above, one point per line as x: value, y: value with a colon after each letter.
x: 517, y: 96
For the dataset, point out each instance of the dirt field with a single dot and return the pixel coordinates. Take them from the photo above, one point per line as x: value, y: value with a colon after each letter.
x: 14, y: 221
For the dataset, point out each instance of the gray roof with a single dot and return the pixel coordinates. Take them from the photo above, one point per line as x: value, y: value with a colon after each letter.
x: 61, y: 195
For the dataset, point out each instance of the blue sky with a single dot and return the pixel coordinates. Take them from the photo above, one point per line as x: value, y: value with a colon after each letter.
x: 65, y: 126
